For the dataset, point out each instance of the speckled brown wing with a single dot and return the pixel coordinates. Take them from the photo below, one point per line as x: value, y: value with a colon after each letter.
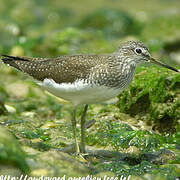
x: 61, y: 69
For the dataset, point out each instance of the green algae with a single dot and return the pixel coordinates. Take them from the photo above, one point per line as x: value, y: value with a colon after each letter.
x: 119, y: 135
x: 154, y: 97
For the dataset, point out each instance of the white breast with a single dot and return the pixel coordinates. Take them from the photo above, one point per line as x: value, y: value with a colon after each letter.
x: 79, y: 92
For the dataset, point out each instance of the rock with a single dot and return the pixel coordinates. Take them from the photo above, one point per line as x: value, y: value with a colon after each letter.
x: 28, y: 114
x: 153, y: 96
x: 160, y: 157
x: 55, y: 163
x: 49, y: 125
x: 176, y: 57
x: 18, y: 89
x: 10, y: 109
x: 133, y: 150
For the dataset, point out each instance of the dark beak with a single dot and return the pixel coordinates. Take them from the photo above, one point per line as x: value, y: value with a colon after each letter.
x: 152, y: 60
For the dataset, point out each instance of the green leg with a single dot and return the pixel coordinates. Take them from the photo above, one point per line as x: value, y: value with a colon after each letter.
x: 83, y: 120
x: 74, y: 130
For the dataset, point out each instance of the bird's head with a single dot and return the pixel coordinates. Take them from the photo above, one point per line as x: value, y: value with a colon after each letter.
x: 137, y: 53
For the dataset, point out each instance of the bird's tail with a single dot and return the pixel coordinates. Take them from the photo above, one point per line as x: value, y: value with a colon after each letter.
x: 35, y: 67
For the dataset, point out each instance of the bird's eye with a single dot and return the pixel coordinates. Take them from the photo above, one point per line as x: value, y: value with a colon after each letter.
x: 138, y: 51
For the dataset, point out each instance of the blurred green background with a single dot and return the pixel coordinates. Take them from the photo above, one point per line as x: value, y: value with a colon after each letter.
x: 51, y: 28
x: 143, y: 124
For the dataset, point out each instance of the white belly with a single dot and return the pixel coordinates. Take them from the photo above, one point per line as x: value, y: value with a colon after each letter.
x: 79, y: 92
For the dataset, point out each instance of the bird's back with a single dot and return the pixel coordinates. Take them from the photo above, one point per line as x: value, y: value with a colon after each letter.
x: 108, y: 70
x: 61, y: 69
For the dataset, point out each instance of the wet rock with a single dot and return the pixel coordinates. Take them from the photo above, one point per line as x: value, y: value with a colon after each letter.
x: 28, y: 114
x: 54, y: 163
x: 18, y: 89
x: 49, y: 125
x: 176, y: 57
x: 133, y: 150
x: 160, y: 157
x: 10, y: 109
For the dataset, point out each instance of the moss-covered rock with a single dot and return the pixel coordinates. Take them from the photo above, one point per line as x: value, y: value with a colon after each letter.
x: 154, y: 97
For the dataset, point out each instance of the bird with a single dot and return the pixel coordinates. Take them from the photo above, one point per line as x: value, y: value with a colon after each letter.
x: 86, y: 79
